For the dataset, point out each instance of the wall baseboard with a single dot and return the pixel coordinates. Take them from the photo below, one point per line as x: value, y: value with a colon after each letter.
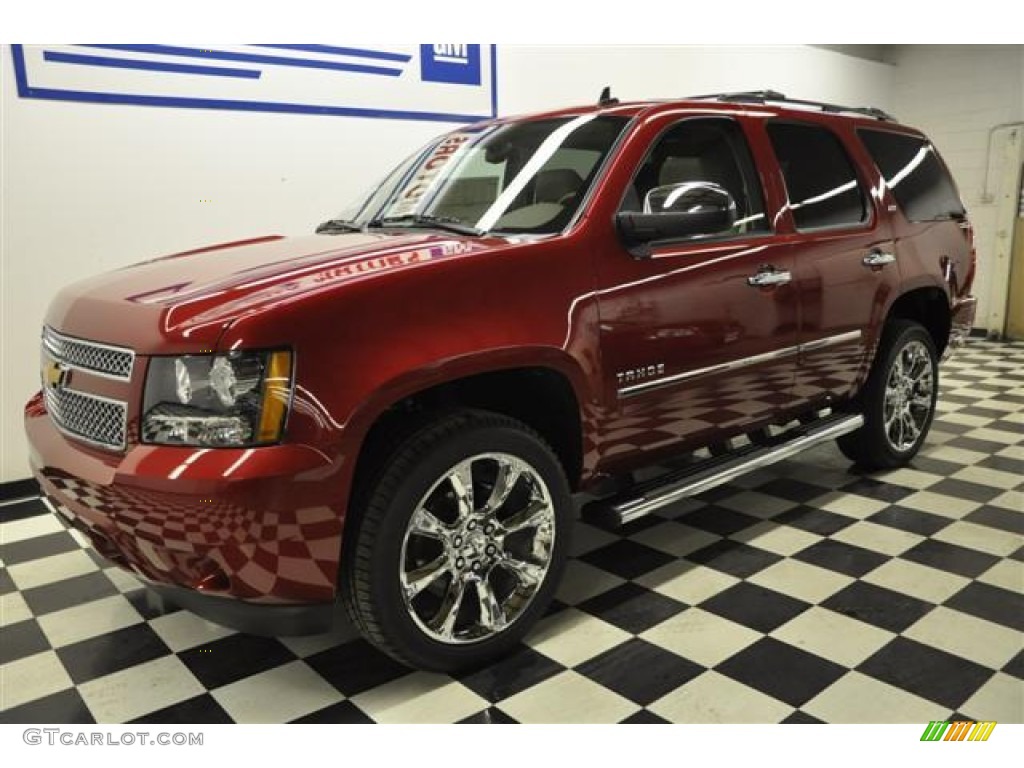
x: 18, y: 489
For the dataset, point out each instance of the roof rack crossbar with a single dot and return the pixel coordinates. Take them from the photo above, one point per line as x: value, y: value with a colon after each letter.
x: 762, y: 97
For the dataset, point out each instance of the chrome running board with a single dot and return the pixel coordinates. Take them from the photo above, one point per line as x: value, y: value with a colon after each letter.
x: 644, y: 498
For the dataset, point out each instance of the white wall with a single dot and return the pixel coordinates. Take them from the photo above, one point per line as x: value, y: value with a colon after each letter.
x: 955, y: 94
x: 87, y: 188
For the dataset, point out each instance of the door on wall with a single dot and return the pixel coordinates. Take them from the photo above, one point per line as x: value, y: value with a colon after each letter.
x: 1015, y: 308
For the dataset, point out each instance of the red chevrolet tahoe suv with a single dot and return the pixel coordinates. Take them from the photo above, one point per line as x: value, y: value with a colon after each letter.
x: 400, y: 411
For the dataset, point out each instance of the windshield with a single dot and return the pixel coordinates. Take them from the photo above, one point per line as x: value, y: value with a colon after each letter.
x: 522, y: 177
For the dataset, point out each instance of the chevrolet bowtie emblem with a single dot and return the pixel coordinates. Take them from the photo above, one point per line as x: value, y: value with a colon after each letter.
x: 55, y: 375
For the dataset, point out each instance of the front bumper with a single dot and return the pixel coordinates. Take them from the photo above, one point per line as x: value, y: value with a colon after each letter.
x: 227, y: 533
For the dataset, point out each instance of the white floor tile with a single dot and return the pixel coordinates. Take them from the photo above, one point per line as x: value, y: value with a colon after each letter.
x: 46, y: 570
x: 701, y: 636
x: 29, y: 528
x: 878, y: 538
x: 571, y: 637
x: 183, y: 629
x: 278, y: 695
x: 89, y: 620
x: 715, y: 698
x: 983, y: 642
x: 920, y: 581
x: 801, y: 580
x: 420, y: 697
x: 983, y: 538
x: 686, y: 582
x: 833, y: 636
x: 139, y: 690
x: 31, y: 678
x: 1000, y: 699
x: 568, y: 698
x: 857, y: 698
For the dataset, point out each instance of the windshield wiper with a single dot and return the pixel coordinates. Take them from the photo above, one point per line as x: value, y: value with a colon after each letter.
x: 333, y: 226
x: 446, y: 223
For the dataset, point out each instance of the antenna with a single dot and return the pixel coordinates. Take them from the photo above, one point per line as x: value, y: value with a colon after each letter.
x: 606, y: 99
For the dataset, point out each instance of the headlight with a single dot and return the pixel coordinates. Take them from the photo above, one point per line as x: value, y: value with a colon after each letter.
x: 229, y: 400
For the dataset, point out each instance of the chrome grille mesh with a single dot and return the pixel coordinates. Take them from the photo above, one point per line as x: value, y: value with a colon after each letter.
x: 88, y: 417
x: 115, y: 362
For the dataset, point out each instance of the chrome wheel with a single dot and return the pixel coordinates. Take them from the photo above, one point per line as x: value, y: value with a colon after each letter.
x: 477, y: 548
x: 909, y: 395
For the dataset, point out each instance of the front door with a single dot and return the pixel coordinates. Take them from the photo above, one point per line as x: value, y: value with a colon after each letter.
x: 699, y: 336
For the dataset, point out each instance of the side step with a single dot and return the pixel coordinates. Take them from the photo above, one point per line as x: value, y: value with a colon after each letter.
x: 644, y: 498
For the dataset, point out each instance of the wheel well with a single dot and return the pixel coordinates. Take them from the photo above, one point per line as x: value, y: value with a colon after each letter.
x: 541, y: 398
x: 930, y: 308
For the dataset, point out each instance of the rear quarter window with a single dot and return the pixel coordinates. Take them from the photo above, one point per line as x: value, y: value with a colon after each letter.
x: 912, y: 170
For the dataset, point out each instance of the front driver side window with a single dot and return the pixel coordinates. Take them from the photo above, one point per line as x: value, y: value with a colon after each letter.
x: 712, y: 150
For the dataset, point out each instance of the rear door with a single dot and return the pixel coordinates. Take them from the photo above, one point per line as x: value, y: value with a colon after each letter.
x: 844, y: 261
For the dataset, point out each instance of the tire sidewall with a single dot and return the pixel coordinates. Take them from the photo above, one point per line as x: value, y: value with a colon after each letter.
x: 386, y: 555
x: 896, y: 340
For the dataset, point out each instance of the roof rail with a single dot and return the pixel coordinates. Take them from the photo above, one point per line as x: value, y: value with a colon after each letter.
x: 762, y: 97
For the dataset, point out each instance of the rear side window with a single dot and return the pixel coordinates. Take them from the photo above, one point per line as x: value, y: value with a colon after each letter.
x: 820, y: 179
x: 912, y: 170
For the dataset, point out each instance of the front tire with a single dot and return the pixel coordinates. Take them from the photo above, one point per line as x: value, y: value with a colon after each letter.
x: 461, y: 544
x: 898, y: 399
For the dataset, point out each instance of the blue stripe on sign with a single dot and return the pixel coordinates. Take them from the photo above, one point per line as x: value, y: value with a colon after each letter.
x: 155, y: 66
x: 254, y: 58
x: 359, y: 52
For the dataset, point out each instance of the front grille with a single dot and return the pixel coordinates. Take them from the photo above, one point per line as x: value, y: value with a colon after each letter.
x: 102, y: 359
x: 88, y: 417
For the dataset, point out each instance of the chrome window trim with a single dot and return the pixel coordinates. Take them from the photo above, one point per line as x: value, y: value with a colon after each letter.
x: 55, y: 354
x: 741, y: 362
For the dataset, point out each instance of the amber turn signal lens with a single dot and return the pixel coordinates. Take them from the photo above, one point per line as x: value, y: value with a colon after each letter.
x: 276, y: 392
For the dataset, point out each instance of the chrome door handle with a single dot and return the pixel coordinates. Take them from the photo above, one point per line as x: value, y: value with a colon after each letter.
x: 878, y: 259
x: 770, y: 276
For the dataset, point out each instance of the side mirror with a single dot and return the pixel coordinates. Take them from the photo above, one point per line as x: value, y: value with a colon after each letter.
x: 696, y: 208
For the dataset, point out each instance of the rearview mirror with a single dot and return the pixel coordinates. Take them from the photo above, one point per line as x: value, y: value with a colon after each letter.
x: 673, y: 211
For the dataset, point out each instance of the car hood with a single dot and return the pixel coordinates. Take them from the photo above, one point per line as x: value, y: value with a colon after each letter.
x: 189, y: 298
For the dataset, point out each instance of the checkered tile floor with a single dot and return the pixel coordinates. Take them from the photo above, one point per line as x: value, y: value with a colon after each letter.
x: 801, y: 593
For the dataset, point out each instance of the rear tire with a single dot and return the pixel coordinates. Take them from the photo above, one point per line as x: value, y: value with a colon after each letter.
x: 461, y: 543
x: 898, y: 399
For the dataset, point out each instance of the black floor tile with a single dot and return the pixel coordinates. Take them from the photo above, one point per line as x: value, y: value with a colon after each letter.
x: 814, y: 520
x: 37, y: 548
x: 199, y: 710
x: 6, y: 583
x: 627, y: 558
x: 876, y: 489
x: 632, y: 607
x: 963, y: 489
x: 232, y: 658
x: 937, y: 467
x: 720, y: 520
x: 996, y: 517
x: 342, y: 713
x: 841, y: 557
x: 68, y: 593
x: 987, y: 447
x: 1016, y: 666
x: 911, y: 520
x: 928, y: 672
x: 791, y: 489
x: 950, y: 557
x: 64, y: 708
x: 508, y: 676
x: 878, y: 606
x: 111, y: 652
x: 490, y: 716
x: 992, y: 603
x: 734, y: 557
x: 356, y: 667
x: 149, y: 604
x: 19, y: 510
x: 1018, y: 554
x: 782, y: 670
x: 644, y: 717
x: 1003, y: 464
x: 640, y: 671
x: 801, y: 717
x: 22, y: 639
x: 756, y: 607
